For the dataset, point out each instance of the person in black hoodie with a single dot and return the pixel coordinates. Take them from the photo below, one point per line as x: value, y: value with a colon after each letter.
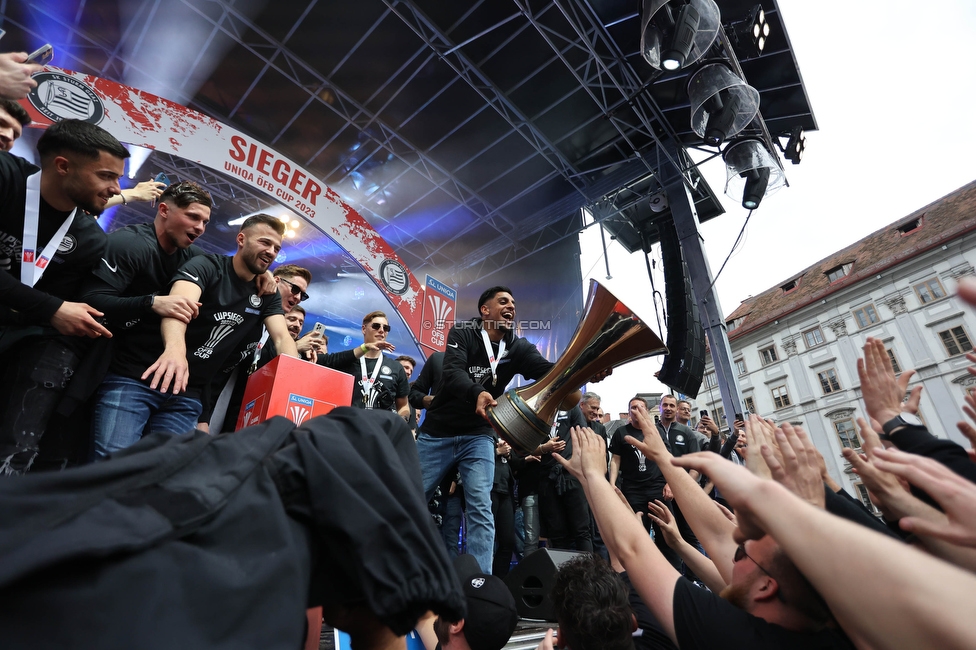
x: 482, y: 357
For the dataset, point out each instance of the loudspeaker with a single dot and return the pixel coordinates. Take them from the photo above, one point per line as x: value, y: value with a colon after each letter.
x: 684, y: 366
x: 531, y: 582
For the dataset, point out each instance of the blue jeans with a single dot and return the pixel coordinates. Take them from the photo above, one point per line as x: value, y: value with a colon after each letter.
x: 127, y: 409
x: 474, y: 456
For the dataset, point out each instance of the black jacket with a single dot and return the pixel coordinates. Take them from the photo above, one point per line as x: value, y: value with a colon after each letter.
x: 201, y: 541
x: 467, y: 374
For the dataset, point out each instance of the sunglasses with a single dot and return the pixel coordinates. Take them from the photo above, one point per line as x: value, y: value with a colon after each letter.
x: 377, y: 326
x: 295, y: 290
x: 740, y: 554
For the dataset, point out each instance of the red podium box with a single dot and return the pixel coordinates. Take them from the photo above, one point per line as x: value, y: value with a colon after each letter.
x: 296, y: 389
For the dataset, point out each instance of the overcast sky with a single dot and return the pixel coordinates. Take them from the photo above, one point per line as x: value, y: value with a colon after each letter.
x: 892, y: 88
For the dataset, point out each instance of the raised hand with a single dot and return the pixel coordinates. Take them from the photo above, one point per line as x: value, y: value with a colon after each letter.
x: 798, y: 467
x: 956, y: 495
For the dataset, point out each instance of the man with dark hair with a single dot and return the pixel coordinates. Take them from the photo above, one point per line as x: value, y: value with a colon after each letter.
x: 684, y: 417
x: 49, y: 242
x: 295, y: 319
x: 409, y: 363
x: 137, y: 399
x: 491, y: 617
x: 641, y: 479
x: 482, y: 357
x: 592, y: 604
x: 13, y: 119
x: 381, y: 382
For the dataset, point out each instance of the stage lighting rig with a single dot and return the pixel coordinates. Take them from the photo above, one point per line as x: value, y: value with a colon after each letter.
x: 749, y: 35
x: 677, y: 33
x: 751, y: 172
x: 721, y: 103
x: 796, y: 145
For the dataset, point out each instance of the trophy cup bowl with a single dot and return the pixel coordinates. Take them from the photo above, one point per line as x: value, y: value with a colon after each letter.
x: 609, y: 335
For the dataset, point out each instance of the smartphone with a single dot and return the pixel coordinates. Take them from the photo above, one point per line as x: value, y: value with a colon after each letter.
x: 42, y: 55
x: 160, y: 178
x: 703, y: 413
x: 319, y: 329
x: 738, y: 417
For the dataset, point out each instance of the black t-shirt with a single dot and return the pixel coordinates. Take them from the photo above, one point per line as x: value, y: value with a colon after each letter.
x: 391, y: 382
x: 635, y: 469
x: 704, y: 620
x: 230, y: 313
x: 80, y: 248
x: 650, y: 635
x: 134, y: 266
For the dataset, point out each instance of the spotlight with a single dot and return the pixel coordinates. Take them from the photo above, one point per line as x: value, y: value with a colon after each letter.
x: 676, y: 33
x: 751, y: 172
x: 749, y: 35
x: 683, y: 40
x: 755, y: 189
x: 721, y: 103
x: 796, y: 145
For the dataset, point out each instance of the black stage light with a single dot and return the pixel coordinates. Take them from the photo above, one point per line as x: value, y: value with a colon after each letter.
x: 751, y: 172
x: 796, y: 145
x: 755, y: 189
x: 685, y: 28
x: 677, y: 33
x: 721, y: 103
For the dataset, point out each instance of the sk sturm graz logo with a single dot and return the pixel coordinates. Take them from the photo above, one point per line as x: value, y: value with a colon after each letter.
x: 394, y: 277
x: 60, y: 97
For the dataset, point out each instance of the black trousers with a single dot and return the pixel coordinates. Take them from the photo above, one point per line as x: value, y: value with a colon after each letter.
x: 503, y: 509
x: 565, y: 517
x: 638, y: 498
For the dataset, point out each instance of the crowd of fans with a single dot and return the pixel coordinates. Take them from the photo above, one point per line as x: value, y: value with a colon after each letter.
x: 688, y: 540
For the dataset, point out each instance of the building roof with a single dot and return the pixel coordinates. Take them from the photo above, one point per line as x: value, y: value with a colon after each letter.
x: 939, y: 222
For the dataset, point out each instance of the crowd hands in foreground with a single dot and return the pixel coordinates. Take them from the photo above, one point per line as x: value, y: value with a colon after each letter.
x: 801, y: 563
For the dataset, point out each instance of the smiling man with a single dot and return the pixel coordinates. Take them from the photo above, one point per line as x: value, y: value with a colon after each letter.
x: 157, y: 386
x: 49, y: 242
x: 13, y: 119
x: 482, y: 357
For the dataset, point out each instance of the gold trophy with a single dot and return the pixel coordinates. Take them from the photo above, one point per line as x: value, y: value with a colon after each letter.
x: 609, y: 334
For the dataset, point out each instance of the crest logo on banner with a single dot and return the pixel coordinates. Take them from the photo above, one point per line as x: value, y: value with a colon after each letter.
x: 439, y: 306
x: 299, y: 408
x: 60, y: 97
x: 394, y: 277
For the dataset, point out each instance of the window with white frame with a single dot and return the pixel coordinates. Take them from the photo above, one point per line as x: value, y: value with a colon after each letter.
x: 768, y: 355
x: 709, y: 380
x: 813, y: 337
x: 740, y: 365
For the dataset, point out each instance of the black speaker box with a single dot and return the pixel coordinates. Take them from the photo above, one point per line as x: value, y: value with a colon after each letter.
x: 684, y: 366
x: 531, y: 581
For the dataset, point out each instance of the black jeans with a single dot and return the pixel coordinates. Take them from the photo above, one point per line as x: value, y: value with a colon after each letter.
x: 503, y: 509
x: 565, y: 517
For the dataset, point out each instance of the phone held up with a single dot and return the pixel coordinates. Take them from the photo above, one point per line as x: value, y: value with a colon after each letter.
x: 319, y: 329
x: 42, y: 55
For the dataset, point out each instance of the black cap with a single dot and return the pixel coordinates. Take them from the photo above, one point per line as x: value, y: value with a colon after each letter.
x: 491, y: 615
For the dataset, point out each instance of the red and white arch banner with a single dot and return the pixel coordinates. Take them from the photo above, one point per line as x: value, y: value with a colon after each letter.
x: 140, y: 118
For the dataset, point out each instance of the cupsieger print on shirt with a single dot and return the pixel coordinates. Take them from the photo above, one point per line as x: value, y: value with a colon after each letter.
x: 231, y: 312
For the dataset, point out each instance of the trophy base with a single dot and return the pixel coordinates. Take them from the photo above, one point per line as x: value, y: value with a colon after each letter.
x: 518, y: 424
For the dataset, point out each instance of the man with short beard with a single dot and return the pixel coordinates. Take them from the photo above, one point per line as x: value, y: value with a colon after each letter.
x: 13, y: 119
x: 153, y: 394
x: 49, y: 241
